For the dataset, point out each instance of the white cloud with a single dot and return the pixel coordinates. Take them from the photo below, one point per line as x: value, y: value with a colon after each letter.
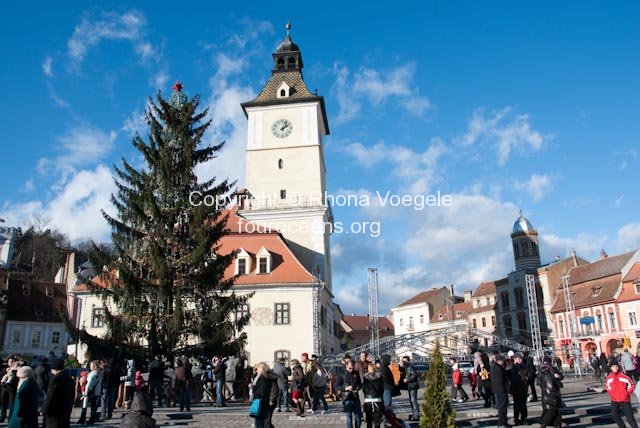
x: 129, y: 26
x: 376, y: 87
x: 537, y: 186
x: 46, y: 66
x: 506, y: 135
x: 75, y: 210
x: 159, y: 80
x: 628, y: 237
x: 586, y: 245
x: 54, y: 96
x: 136, y: 123
x: 416, y: 171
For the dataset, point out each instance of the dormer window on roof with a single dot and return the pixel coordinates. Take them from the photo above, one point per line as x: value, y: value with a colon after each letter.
x: 264, y: 261
x: 49, y: 291
x: 595, y: 291
x: 26, y: 289
x: 243, y: 262
x: 441, y: 317
x: 458, y: 314
x: 283, y: 91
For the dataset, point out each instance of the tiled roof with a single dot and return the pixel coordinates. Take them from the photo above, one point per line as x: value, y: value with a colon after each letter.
x: 489, y: 287
x: 361, y: 322
x: 633, y: 274
x: 557, y: 270
x: 487, y: 308
x: 464, y: 307
x: 628, y: 293
x: 36, y: 305
x: 599, y: 269
x: 298, y: 89
x: 583, y: 293
x: 422, y: 297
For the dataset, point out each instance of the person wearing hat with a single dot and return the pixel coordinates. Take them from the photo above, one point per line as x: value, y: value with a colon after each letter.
x: 498, y: 377
x: 620, y: 387
x: 58, y: 403
x: 25, y: 406
x: 549, y: 379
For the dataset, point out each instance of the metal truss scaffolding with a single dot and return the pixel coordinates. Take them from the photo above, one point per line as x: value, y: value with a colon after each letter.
x: 316, y: 305
x: 534, y: 319
x: 573, y: 324
x: 373, y: 312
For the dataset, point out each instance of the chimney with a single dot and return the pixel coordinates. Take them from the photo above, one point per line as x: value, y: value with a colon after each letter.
x: 467, y: 295
x: 353, y: 314
x: 575, y: 258
x: 603, y: 254
x: 557, y: 258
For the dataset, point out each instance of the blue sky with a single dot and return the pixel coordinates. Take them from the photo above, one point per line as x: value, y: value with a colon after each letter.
x: 504, y: 105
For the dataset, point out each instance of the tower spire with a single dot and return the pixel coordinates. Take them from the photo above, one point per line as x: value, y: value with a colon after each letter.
x: 288, y: 28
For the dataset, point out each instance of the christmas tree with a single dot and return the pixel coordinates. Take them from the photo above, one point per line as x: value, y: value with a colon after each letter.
x: 436, y: 409
x: 166, y: 280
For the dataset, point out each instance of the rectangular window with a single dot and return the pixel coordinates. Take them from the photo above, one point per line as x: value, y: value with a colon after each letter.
x: 493, y: 320
x: 55, y: 338
x: 484, y: 322
x: 561, y: 327
x: 612, y: 320
x: 283, y: 194
x: 637, y: 287
x: 242, y: 311
x: 410, y: 322
x: 421, y: 319
x: 282, y: 354
x: 401, y: 322
x: 17, y: 337
x: 97, y: 317
x: 632, y: 319
x: 473, y: 321
x: 263, y: 265
x: 600, y: 323
x: 242, y: 266
x: 322, y: 315
x: 282, y: 313
x: 35, y: 339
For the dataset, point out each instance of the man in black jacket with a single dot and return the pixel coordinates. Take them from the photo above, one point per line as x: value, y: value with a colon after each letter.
x: 156, y: 377
x: 411, y: 381
x: 348, y: 384
x: 58, y: 403
x: 531, y: 373
x: 220, y: 373
x: 389, y: 381
x: 498, y: 378
x: 518, y: 385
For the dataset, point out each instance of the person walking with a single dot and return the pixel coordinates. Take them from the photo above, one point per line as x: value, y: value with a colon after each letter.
x: 220, y: 374
x: 230, y: 378
x: 620, y: 387
x: 182, y: 376
x: 373, y: 388
x: 532, y: 371
x: 498, y: 378
x: 110, y: 382
x: 389, y: 382
x: 518, y: 386
x: 411, y: 380
x: 319, y: 387
x: 282, y: 372
x: 25, y: 405
x: 348, y: 385
x: 481, y: 367
x: 461, y: 394
x: 299, y: 386
x: 265, y: 389
x: 9, y: 385
x: 627, y: 363
x: 549, y: 380
x: 156, y: 377
x: 92, y: 394
x: 604, y: 366
x: 58, y: 403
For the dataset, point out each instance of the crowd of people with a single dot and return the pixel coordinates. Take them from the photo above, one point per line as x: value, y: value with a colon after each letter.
x: 494, y: 377
x: 365, y: 386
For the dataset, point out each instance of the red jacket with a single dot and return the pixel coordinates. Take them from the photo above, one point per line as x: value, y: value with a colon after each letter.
x: 457, y: 377
x: 620, y: 387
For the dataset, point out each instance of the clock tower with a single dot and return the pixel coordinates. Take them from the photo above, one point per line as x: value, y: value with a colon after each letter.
x: 285, y: 179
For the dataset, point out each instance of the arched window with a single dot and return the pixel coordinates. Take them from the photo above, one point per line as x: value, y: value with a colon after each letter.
x: 280, y: 161
x: 505, y: 300
x: 280, y: 63
x: 507, y: 325
x: 519, y: 297
x: 291, y: 62
x: 283, y: 93
x: 522, y: 322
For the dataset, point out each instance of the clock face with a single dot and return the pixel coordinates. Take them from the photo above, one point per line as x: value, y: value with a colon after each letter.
x: 281, y: 128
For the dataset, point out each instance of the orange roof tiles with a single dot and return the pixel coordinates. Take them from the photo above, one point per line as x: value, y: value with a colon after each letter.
x: 361, y: 322
x: 422, y: 297
x: 463, y: 307
x: 489, y: 287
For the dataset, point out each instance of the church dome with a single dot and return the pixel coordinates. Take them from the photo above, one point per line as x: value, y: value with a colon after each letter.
x: 522, y: 224
x: 287, y: 44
